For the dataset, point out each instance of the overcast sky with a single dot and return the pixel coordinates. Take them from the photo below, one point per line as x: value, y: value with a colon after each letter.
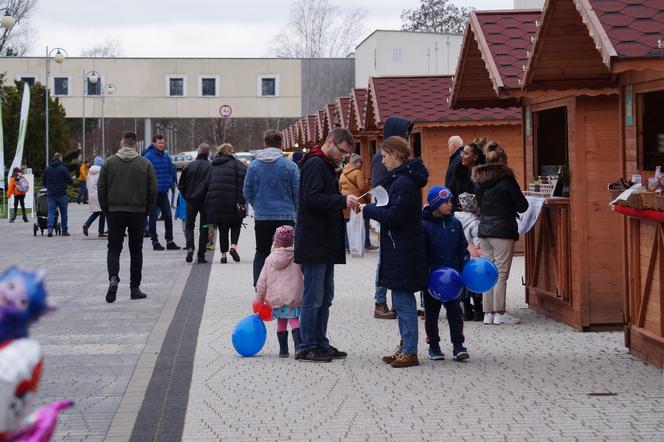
x: 194, y: 28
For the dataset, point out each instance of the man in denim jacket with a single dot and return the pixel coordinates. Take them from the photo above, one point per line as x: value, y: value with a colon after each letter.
x: 271, y: 186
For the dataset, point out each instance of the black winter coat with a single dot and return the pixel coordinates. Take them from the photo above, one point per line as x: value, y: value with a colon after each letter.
x: 455, y: 161
x: 224, y: 191
x: 460, y: 183
x: 403, y: 261
x: 194, y: 178
x: 499, y: 198
x: 56, y: 179
x: 319, y: 231
x: 394, y: 126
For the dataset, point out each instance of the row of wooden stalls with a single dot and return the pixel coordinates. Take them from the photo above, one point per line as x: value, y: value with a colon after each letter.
x: 588, y: 76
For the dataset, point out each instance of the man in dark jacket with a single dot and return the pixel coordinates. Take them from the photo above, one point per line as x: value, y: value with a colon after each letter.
x: 163, y: 167
x: 192, y: 187
x: 319, y: 241
x: 455, y: 146
x: 127, y: 191
x: 56, y: 179
x: 400, y: 127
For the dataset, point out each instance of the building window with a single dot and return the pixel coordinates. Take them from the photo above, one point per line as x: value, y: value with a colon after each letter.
x: 61, y: 86
x: 29, y: 79
x: 208, y: 85
x: 268, y: 85
x: 176, y: 85
x: 93, y: 89
x: 396, y: 54
x: 651, y: 108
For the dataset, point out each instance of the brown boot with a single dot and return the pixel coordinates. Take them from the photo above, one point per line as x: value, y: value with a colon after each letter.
x: 405, y: 360
x: 397, y: 351
x: 382, y: 312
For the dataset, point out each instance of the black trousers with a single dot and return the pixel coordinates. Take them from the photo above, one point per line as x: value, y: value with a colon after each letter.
x: 454, y: 319
x: 133, y: 223
x: 196, y: 208
x: 264, y: 233
x: 19, y: 199
x: 223, y: 235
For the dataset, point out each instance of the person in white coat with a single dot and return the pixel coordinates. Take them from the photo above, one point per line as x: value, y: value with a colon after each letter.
x: 93, y: 199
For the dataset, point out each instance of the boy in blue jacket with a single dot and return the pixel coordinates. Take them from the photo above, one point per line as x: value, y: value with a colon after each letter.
x: 446, y: 246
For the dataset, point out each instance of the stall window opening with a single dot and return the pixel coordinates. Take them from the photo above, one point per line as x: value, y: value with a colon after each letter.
x: 652, y: 126
x: 550, y: 140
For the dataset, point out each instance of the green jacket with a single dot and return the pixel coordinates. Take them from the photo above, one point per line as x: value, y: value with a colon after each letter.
x: 127, y: 183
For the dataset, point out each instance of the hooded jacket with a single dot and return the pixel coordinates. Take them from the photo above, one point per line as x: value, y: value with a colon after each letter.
x: 127, y: 183
x: 500, y: 198
x: 12, y: 189
x: 403, y: 264
x: 394, y: 126
x: 320, y: 226
x: 271, y: 186
x: 445, y: 241
x: 93, y: 195
x: 281, y: 282
x: 223, y: 191
x: 470, y: 223
x: 56, y: 179
x: 194, y: 178
x: 353, y: 182
x: 163, y: 167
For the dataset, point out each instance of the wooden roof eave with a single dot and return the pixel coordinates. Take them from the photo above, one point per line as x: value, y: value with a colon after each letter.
x: 595, y: 30
x: 372, y: 108
x: 459, y: 123
x: 487, y: 57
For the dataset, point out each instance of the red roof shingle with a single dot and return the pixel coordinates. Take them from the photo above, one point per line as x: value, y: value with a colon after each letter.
x: 424, y: 99
x: 343, y: 110
x: 360, y: 102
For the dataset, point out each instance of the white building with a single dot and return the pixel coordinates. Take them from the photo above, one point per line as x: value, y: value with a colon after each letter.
x: 528, y: 4
x: 405, y: 53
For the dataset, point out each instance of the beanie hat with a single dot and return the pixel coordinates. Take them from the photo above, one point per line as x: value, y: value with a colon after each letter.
x: 438, y: 195
x: 283, y: 237
x: 468, y: 202
x: 98, y: 161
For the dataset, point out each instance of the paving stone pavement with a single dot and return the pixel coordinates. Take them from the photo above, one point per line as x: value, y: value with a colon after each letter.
x: 91, y: 348
x: 525, y: 382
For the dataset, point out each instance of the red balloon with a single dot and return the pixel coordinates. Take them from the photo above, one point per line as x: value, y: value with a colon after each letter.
x: 265, y: 312
x: 256, y: 305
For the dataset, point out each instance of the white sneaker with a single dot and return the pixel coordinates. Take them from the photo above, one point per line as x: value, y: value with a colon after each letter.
x: 489, y: 318
x: 505, y: 318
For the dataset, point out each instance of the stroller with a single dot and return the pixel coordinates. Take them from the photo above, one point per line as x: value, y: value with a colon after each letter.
x: 42, y: 214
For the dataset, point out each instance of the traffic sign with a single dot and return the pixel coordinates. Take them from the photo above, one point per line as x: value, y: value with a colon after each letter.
x: 225, y: 111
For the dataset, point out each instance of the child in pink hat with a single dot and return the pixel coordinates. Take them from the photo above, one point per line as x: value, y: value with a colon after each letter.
x: 281, y: 284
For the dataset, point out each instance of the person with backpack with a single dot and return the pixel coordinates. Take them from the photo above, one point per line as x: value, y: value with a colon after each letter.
x: 18, y: 187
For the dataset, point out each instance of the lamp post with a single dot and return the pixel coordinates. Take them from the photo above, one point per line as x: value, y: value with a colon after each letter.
x: 59, y: 57
x: 93, y: 78
x: 108, y: 89
x: 7, y: 21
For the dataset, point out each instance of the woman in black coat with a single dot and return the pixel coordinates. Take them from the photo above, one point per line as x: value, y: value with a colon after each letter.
x: 500, y: 201
x: 461, y: 182
x: 224, y: 202
x: 403, y: 265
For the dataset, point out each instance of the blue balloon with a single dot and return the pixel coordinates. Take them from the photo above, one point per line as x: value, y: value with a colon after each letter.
x: 249, y: 336
x: 480, y: 275
x: 445, y: 284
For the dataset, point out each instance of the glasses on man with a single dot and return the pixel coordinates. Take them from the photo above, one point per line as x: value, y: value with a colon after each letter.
x: 344, y: 154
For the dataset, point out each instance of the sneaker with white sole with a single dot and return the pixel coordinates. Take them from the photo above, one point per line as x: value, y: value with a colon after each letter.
x: 505, y: 318
x: 488, y: 318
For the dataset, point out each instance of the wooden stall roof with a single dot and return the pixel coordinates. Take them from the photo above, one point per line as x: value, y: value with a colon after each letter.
x: 312, y: 129
x: 284, y: 141
x: 358, y: 110
x: 494, y: 52
x: 302, y: 131
x: 331, y: 116
x: 343, y: 111
x: 320, y: 124
x: 424, y: 99
x: 584, y: 43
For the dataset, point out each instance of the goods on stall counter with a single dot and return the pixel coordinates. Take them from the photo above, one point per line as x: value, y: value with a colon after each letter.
x: 543, y: 187
x: 22, y: 302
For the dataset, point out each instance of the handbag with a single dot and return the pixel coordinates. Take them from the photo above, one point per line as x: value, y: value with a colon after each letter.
x: 241, y: 208
x: 356, y: 234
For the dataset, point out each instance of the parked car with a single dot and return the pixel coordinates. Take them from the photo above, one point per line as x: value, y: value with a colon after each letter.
x: 183, y: 158
x: 245, y: 157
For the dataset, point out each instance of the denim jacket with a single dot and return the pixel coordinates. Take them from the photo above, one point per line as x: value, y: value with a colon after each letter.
x: 271, y: 186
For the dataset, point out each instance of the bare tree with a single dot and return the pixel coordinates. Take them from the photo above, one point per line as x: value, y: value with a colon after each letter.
x: 436, y: 16
x: 17, y: 40
x: 318, y: 28
x: 110, y: 47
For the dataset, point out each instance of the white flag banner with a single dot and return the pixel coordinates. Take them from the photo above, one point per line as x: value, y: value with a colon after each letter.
x: 2, y: 151
x: 22, y: 129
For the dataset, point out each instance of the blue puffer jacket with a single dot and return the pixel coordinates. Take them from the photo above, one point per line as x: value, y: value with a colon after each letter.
x: 162, y: 166
x: 446, y: 243
x: 403, y: 264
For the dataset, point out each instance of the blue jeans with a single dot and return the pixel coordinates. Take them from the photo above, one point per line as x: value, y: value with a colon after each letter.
x: 381, y: 292
x: 93, y: 217
x: 406, y: 306
x: 164, y: 206
x: 57, y: 203
x: 82, y: 193
x: 316, y: 302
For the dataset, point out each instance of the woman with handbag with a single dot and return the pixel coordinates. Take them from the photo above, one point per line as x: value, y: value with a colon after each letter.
x: 224, y: 203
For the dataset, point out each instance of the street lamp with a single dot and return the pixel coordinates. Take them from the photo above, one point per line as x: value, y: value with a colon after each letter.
x: 108, y: 89
x: 7, y: 21
x: 93, y: 78
x: 59, y: 57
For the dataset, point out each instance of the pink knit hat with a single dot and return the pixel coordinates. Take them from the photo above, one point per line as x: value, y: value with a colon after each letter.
x: 283, y: 237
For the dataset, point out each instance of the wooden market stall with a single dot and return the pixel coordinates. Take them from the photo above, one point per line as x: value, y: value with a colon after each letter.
x: 356, y: 121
